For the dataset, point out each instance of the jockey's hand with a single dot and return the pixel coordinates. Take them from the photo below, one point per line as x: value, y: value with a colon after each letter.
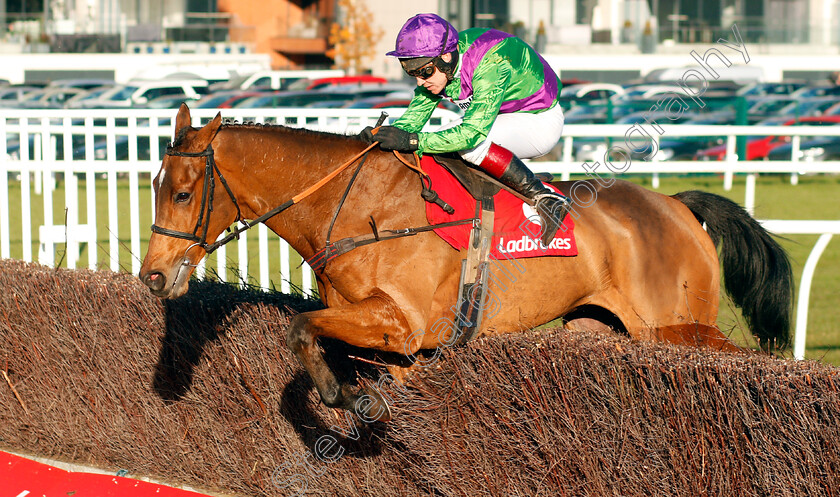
x: 367, y: 135
x: 393, y: 138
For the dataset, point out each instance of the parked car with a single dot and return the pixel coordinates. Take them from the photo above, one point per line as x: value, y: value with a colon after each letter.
x: 78, y: 101
x: 365, y: 90
x: 167, y: 102
x: 305, y: 98
x: 770, y: 89
x: 290, y: 99
x: 321, y: 83
x: 742, y: 74
x: 808, y: 107
x: 273, y: 80
x: 593, y: 149
x: 585, y: 114
x: 811, y: 148
x: 760, y: 147
x: 395, y: 100
x: 140, y: 92
x: 589, y: 93
x: 834, y: 110
x: 225, y: 99
x: 49, y: 98
x: 686, y: 147
x: 11, y: 96
x: 399, y: 101
x: 816, y: 91
x: 762, y: 108
x: 81, y: 83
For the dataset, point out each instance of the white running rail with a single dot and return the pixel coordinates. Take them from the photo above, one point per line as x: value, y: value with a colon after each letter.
x: 37, y: 145
x: 826, y: 229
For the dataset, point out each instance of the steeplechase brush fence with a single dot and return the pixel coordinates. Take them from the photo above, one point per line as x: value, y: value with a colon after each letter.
x: 203, y: 391
x: 75, y: 187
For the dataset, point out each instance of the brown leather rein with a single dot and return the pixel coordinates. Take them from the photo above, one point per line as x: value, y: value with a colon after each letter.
x: 331, y: 249
x: 203, y: 223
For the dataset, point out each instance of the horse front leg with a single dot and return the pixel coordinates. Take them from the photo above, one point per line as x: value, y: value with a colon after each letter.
x: 375, y: 322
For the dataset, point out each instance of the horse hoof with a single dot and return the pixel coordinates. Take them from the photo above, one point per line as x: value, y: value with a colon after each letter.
x: 371, y: 406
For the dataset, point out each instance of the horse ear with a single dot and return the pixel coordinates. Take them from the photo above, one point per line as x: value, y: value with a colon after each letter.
x: 208, y: 132
x: 183, y: 119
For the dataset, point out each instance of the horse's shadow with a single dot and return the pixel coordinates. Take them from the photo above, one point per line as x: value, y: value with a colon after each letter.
x: 358, y: 437
x: 355, y: 439
x: 196, y: 320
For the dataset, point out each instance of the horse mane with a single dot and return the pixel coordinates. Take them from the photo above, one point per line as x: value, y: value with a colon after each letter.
x: 279, y: 128
x: 179, y: 138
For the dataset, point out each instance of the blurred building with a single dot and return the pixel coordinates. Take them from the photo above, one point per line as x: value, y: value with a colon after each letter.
x: 295, y: 32
x: 806, y: 22
x: 297, y: 29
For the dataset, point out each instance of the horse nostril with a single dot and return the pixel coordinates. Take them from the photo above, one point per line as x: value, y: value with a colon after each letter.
x: 155, y: 281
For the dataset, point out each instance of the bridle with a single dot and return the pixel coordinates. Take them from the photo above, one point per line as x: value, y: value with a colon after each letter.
x: 332, y: 249
x: 207, y: 195
x: 203, y: 222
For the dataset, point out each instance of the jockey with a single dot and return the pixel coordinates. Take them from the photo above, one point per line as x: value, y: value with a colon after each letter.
x: 509, y: 96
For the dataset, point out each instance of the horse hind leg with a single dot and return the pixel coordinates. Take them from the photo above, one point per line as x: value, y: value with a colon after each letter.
x: 374, y: 322
x: 690, y: 322
x: 696, y: 335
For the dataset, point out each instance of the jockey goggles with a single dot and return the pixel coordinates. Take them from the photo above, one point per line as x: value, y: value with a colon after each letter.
x: 425, y: 71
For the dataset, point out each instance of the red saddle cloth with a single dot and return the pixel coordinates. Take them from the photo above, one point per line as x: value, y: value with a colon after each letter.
x: 514, y: 232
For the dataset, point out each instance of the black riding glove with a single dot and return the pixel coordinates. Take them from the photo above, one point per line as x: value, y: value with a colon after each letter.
x: 367, y: 135
x: 393, y: 138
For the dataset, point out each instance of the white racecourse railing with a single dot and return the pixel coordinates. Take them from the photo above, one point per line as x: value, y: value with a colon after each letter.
x: 36, y: 144
x: 826, y: 229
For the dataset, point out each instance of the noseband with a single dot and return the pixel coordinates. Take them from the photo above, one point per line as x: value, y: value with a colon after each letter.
x: 330, y: 250
x: 203, y: 222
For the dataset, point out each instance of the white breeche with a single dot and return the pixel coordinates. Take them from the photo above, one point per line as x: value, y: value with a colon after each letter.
x: 525, y: 134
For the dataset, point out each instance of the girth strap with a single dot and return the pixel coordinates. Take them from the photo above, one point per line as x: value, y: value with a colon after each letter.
x: 334, y: 249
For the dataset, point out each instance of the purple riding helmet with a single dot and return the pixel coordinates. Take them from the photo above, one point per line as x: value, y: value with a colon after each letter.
x: 423, y: 39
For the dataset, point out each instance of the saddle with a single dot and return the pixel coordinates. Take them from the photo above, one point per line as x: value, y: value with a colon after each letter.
x: 478, y: 183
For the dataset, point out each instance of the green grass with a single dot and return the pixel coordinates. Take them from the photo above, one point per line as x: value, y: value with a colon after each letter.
x: 815, y: 197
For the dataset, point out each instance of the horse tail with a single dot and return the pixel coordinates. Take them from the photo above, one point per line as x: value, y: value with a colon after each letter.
x: 756, y: 269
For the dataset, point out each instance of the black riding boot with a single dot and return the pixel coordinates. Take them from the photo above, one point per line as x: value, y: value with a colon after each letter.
x: 509, y: 169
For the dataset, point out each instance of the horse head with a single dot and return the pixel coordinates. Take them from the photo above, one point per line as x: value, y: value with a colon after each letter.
x: 188, y: 214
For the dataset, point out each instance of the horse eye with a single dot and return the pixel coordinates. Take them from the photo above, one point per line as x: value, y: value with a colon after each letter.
x: 182, y: 197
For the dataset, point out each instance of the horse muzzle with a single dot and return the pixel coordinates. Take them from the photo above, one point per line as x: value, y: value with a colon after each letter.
x: 169, y: 286
x: 156, y: 282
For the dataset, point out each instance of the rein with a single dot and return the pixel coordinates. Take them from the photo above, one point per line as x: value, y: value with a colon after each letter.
x: 203, y: 223
x: 331, y: 249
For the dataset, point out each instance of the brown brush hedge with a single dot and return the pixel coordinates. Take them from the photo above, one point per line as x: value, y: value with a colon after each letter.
x: 202, y: 391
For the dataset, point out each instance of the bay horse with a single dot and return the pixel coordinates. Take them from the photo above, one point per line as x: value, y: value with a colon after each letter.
x: 646, y: 266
